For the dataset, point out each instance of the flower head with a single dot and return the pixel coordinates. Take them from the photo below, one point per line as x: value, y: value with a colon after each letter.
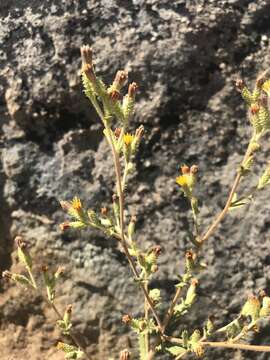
x: 128, y: 139
x: 182, y: 180
x: 266, y: 87
x: 76, y: 203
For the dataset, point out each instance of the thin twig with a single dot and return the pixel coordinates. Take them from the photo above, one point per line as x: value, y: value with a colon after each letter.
x: 223, y: 213
x: 171, y: 309
x: 260, y: 348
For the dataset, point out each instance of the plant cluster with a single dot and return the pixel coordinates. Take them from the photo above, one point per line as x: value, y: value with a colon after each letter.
x: 152, y: 328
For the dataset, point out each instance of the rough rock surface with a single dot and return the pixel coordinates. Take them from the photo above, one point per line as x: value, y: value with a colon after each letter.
x: 184, y: 55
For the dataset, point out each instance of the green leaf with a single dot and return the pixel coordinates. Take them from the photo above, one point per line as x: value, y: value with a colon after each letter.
x: 176, y: 350
x: 238, y: 203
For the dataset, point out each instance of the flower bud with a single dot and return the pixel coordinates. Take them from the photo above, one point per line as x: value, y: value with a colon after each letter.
x: 251, y: 308
x: 185, y: 169
x: 131, y: 227
x: 23, y: 254
x: 59, y: 272
x: 265, y: 309
x: 190, y: 260
x: 194, y: 169
x: 191, y: 293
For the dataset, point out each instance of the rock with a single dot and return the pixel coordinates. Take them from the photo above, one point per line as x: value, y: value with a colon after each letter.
x: 185, y: 56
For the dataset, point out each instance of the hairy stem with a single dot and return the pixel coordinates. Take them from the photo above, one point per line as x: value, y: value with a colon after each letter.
x: 122, y: 233
x: 146, y: 316
x: 73, y: 336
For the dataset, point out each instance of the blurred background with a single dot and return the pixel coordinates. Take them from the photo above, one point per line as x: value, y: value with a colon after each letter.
x: 185, y: 56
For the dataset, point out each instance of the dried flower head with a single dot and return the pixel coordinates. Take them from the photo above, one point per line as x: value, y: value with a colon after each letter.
x: 86, y: 54
x: 239, y: 84
x: 104, y: 211
x: 64, y: 226
x: 132, y: 90
x: 7, y: 274
x: 125, y: 355
x: 126, y: 319
x: 194, y: 169
x: 117, y: 132
x: 254, y: 108
x: 120, y: 79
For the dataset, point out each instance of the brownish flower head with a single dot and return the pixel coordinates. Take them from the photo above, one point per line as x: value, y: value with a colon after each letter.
x: 114, y: 198
x: 139, y: 132
x: 194, y: 169
x: 64, y: 226
x: 69, y: 309
x: 157, y: 250
x: 7, y: 274
x: 125, y: 355
x: 114, y: 94
x: 262, y: 294
x: 104, y: 211
x: 65, y: 205
x: 120, y: 79
x: 260, y: 81
x: 154, y: 268
x: 86, y: 54
x: 126, y: 319
x: 194, y: 282
x: 117, y: 132
x: 133, y: 219
x: 189, y: 255
x: 254, y: 109
x: 60, y: 271
x: 44, y: 268
x: 264, y: 100
x: 88, y: 70
x: 20, y: 242
x: 132, y: 90
x: 239, y: 84
x: 60, y: 345
x: 185, y: 169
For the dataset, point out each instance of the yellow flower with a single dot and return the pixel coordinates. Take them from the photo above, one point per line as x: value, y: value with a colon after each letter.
x: 266, y: 87
x: 76, y: 203
x: 182, y: 180
x: 128, y: 139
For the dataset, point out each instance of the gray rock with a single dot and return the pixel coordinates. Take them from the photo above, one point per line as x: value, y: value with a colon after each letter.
x: 185, y: 56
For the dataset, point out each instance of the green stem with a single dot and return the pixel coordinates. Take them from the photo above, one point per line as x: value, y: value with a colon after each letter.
x: 142, y: 347
x: 33, y: 281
